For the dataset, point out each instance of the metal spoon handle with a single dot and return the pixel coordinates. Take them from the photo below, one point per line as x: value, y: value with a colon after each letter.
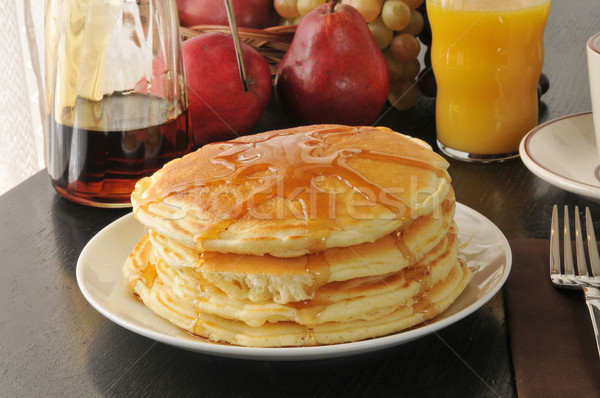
x: 236, y: 42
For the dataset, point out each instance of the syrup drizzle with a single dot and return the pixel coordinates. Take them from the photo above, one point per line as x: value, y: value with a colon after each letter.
x: 290, y: 166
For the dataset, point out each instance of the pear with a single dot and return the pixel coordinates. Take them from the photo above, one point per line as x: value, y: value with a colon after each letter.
x: 333, y: 72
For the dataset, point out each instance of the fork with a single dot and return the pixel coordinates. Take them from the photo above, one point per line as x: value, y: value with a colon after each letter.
x: 577, y: 275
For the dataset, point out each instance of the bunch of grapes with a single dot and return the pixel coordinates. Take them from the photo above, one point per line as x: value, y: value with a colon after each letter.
x: 395, y: 25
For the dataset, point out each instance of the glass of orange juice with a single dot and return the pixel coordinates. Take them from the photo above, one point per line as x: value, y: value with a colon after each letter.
x: 487, y: 56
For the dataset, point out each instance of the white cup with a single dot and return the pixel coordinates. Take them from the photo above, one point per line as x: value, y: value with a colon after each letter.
x: 593, y: 56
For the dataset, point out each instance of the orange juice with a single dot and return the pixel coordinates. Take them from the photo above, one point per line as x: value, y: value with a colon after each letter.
x: 487, y: 57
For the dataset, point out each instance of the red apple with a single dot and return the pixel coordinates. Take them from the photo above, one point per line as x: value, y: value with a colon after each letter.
x: 257, y: 14
x: 219, y: 106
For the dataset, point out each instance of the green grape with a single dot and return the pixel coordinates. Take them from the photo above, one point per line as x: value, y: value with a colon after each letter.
x: 369, y: 9
x: 414, y: 4
x: 411, y: 69
x: 287, y: 21
x: 415, y: 26
x: 395, y: 14
x: 405, y: 47
x: 381, y: 33
x: 306, y: 6
x: 395, y: 68
x: 287, y: 8
x: 403, y: 94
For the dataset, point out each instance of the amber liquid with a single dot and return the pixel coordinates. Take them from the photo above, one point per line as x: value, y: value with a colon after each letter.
x: 101, y: 167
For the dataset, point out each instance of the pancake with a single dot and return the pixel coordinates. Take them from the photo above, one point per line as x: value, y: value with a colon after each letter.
x: 284, y: 280
x: 315, y: 235
x: 296, y: 191
x: 358, y: 298
x: 341, y: 311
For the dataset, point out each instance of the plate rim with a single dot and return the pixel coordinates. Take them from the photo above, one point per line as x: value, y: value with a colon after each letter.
x: 551, y: 177
x: 294, y: 353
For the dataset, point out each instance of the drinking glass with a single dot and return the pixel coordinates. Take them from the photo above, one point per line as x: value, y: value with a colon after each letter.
x: 116, y: 100
x: 487, y: 57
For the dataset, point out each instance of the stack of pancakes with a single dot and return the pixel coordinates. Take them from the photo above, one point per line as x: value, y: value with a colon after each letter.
x: 314, y: 235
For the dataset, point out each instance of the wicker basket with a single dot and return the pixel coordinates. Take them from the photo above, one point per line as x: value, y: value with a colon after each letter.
x: 271, y: 42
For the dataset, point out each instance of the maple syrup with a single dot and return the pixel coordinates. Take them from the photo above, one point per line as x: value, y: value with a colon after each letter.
x: 294, y: 170
x: 96, y: 163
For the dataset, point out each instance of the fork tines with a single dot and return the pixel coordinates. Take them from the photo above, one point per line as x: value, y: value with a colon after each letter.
x: 570, y: 274
x: 578, y: 277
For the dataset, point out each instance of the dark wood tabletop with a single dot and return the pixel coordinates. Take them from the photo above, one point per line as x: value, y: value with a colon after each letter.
x: 53, y: 343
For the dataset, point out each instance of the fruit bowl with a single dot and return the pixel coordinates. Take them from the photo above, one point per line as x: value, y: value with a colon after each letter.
x: 271, y: 42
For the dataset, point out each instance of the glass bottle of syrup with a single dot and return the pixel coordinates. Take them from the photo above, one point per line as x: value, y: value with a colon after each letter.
x: 116, y: 96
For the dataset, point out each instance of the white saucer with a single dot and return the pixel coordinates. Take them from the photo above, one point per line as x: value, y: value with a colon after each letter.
x: 482, y: 245
x: 563, y: 153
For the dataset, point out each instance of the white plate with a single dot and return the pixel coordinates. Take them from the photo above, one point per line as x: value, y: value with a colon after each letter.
x: 99, y: 277
x: 563, y: 153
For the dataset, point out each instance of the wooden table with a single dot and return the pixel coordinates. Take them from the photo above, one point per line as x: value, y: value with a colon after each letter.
x: 53, y: 343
